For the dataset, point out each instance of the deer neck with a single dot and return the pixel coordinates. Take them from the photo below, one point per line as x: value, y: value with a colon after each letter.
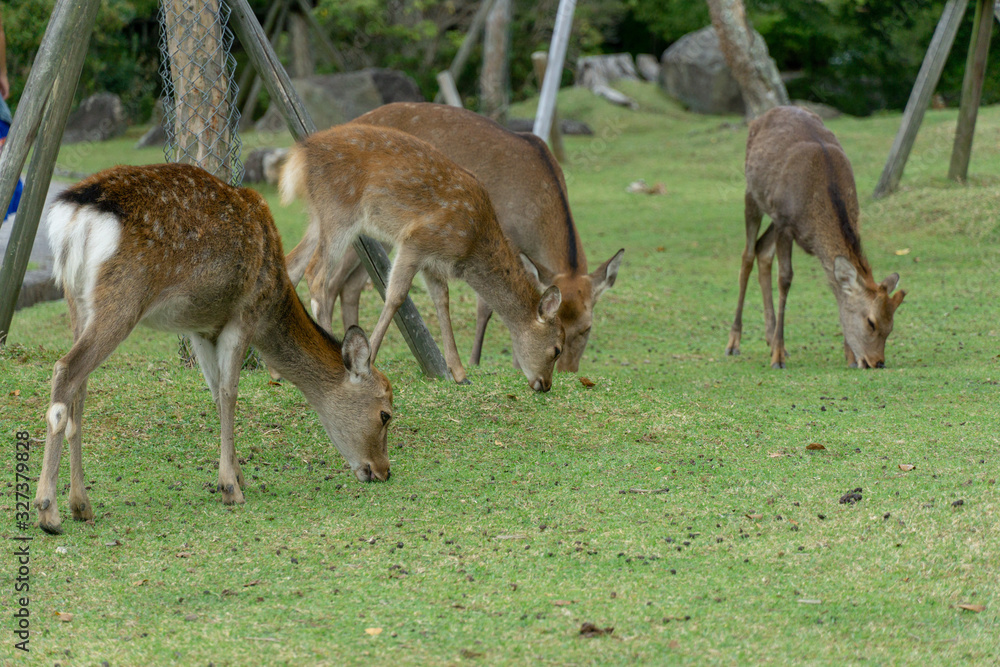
x: 497, y: 275
x: 297, y: 348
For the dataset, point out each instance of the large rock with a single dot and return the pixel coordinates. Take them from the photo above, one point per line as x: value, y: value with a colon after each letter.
x: 157, y: 133
x: 648, y: 66
x: 332, y: 99
x: 98, y: 118
x: 694, y: 71
x: 592, y: 71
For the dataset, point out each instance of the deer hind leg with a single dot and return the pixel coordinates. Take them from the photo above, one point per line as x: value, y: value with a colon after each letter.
x: 784, y: 248
x: 337, y: 279
x: 404, y: 268
x: 765, y: 256
x: 230, y: 351
x: 483, y: 314
x: 437, y: 285
x: 105, y: 330
x: 753, y: 217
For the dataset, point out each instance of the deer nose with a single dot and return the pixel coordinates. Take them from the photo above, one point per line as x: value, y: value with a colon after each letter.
x: 541, y: 385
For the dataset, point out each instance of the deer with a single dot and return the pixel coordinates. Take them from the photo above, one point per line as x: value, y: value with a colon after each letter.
x: 528, y: 192
x: 798, y: 174
x: 399, y: 189
x: 175, y: 248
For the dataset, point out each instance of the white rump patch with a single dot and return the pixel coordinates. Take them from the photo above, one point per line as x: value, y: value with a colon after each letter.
x: 82, y: 239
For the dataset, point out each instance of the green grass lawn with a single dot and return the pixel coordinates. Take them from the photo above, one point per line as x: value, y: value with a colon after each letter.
x: 675, y: 500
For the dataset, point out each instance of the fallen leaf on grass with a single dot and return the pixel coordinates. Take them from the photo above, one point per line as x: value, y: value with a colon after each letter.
x: 64, y: 617
x: 815, y: 446
x: 588, y: 629
x: 972, y: 607
x: 903, y: 251
x: 184, y: 554
x: 16, y: 392
x: 255, y: 582
x: 754, y: 517
x: 112, y: 543
x: 562, y: 603
x: 906, y: 467
x: 674, y: 644
x: 775, y: 455
x: 810, y: 601
x: 141, y: 582
x: 587, y: 382
x: 374, y: 632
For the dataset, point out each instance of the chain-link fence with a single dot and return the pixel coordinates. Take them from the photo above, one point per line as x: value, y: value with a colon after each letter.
x: 199, y: 89
x: 200, y: 114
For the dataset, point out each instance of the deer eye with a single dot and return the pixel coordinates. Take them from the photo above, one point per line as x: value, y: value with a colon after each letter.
x: 385, y: 417
x: 871, y: 324
x: 558, y: 352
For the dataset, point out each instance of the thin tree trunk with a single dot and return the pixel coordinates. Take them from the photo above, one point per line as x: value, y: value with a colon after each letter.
x: 494, y: 78
x: 747, y: 56
x: 303, y: 61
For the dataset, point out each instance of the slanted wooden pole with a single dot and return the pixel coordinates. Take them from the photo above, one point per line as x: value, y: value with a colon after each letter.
x: 553, y: 72
x: 246, y: 116
x: 920, y: 97
x: 40, y: 119
x: 540, y: 61
x: 376, y: 262
x: 972, y: 90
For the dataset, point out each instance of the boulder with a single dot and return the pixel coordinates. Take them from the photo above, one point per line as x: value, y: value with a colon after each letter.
x: 261, y: 165
x: 157, y: 133
x: 648, y: 66
x: 593, y: 71
x: 332, y: 99
x: 98, y: 118
x: 694, y: 71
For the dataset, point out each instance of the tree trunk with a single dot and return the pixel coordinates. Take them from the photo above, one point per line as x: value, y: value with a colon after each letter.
x: 201, y: 86
x: 494, y: 78
x: 747, y: 56
x: 303, y: 61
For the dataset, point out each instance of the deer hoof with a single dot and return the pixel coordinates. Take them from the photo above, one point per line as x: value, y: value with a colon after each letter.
x: 82, y: 511
x: 51, y: 528
x: 465, y: 381
x: 732, y: 351
x: 778, y: 365
x: 231, y: 494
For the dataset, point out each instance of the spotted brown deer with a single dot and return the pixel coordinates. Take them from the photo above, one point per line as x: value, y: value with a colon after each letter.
x: 797, y: 173
x: 528, y: 192
x: 179, y: 250
x: 401, y: 190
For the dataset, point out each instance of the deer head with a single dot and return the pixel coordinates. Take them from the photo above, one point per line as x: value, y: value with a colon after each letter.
x: 866, y: 311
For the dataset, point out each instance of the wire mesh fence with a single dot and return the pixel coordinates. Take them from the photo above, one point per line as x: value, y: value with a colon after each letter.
x: 199, y: 99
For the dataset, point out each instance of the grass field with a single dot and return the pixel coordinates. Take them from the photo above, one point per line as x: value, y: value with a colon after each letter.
x: 675, y: 500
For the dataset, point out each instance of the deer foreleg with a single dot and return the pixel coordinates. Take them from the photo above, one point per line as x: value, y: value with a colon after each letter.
x: 765, y: 255
x: 437, y: 286
x: 350, y: 295
x: 230, y: 352
x: 404, y: 268
x: 784, y: 247
x: 483, y: 314
x: 753, y: 217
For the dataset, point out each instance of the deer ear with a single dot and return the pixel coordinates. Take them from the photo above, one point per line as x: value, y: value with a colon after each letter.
x: 541, y: 275
x: 356, y: 353
x: 605, y: 275
x: 845, y: 273
x: 890, y: 283
x: 548, y: 307
x: 897, y: 299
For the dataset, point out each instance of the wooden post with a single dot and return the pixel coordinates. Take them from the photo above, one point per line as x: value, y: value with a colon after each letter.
x: 972, y: 89
x: 553, y: 72
x: 300, y: 124
x: 45, y: 106
x: 920, y: 97
x: 448, y: 90
x: 540, y: 61
x: 246, y: 116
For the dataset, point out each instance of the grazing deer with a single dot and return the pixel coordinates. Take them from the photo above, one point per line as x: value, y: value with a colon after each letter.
x: 179, y: 250
x: 798, y: 174
x: 528, y: 192
x: 401, y: 190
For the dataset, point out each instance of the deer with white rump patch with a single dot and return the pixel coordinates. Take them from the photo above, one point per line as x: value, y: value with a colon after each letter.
x: 797, y: 173
x: 528, y: 193
x: 378, y: 181
x: 179, y: 250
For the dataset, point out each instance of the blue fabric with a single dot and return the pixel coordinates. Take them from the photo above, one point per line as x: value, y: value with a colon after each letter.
x: 5, y: 115
x: 16, y: 199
